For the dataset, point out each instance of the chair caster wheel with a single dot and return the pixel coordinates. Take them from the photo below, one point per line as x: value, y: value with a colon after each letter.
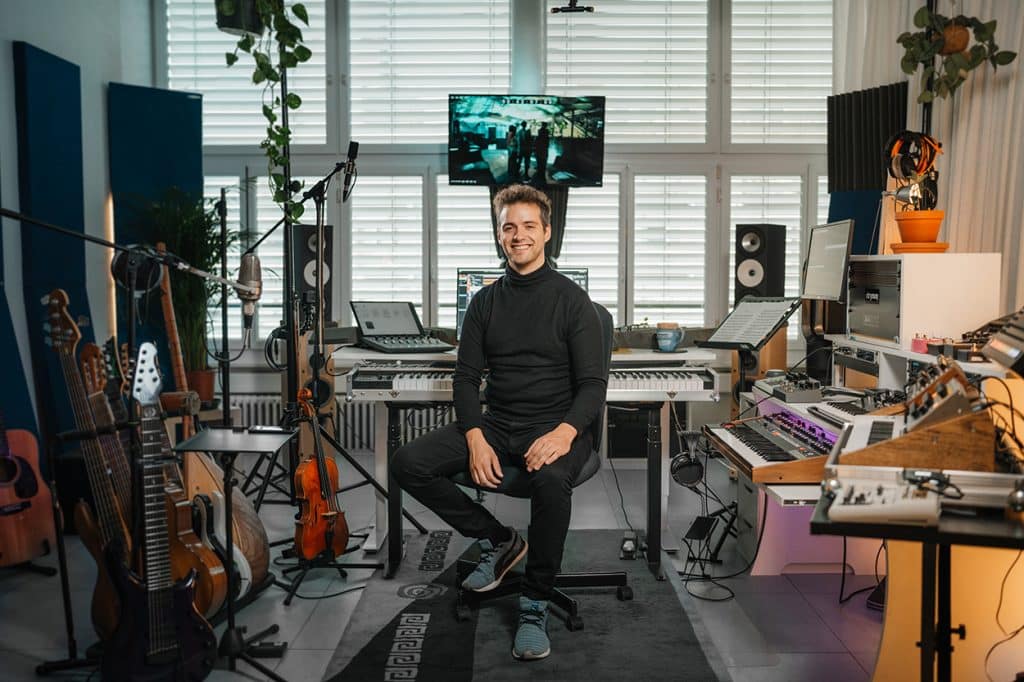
x: 574, y: 623
x: 462, y: 613
x: 624, y: 593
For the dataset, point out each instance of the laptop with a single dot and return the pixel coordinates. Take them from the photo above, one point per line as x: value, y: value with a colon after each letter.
x: 393, y: 327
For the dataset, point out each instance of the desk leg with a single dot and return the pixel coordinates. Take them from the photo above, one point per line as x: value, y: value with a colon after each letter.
x: 378, y: 536
x: 927, y: 643
x: 654, y: 490
x: 394, y: 494
x: 943, y: 634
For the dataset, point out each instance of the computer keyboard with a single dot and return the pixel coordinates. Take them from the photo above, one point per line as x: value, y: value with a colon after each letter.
x: 405, y: 344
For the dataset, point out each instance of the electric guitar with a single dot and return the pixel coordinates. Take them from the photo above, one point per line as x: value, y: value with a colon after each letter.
x: 161, y: 635
x: 26, y: 507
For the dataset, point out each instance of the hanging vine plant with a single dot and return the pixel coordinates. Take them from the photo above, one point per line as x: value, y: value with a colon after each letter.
x: 949, y: 39
x: 275, y: 44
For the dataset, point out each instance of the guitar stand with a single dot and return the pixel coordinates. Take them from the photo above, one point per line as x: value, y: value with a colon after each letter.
x: 322, y: 560
x: 225, y: 444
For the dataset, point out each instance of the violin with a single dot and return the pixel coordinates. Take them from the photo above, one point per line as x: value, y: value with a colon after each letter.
x: 321, y: 526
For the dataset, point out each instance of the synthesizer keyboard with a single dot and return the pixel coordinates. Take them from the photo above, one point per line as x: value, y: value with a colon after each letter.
x: 782, y: 436
x: 398, y: 381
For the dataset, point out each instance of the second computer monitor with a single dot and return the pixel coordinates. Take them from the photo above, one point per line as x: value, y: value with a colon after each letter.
x: 471, y: 281
x: 828, y: 258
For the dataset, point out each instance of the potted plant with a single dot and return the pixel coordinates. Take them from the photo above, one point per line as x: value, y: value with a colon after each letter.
x: 273, y: 52
x: 948, y: 39
x: 190, y: 228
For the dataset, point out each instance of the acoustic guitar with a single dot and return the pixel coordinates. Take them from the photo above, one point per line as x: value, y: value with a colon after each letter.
x: 26, y: 506
x: 161, y: 635
x: 202, y: 476
x: 102, y: 528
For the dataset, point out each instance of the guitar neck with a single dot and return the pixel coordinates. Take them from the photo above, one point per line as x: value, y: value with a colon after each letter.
x: 111, y: 522
x: 157, y: 559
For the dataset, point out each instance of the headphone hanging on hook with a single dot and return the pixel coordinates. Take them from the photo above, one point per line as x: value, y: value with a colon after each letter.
x: 686, y: 468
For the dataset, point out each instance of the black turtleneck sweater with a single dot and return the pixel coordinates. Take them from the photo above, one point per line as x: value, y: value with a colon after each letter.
x: 540, y: 338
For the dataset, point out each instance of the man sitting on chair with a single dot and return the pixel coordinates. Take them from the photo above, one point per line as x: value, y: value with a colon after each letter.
x: 539, y: 336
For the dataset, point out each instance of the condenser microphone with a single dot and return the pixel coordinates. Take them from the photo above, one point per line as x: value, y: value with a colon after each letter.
x: 350, y: 168
x: 250, y: 275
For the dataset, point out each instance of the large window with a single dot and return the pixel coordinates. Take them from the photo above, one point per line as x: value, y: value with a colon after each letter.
x: 231, y: 103
x: 670, y: 245
x: 649, y: 57
x: 715, y: 116
x: 407, y: 56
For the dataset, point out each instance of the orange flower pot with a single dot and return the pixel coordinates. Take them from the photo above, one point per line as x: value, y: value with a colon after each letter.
x: 919, y: 226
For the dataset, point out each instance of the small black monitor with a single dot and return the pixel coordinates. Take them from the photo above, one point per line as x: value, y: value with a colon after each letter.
x: 470, y: 281
x: 828, y: 259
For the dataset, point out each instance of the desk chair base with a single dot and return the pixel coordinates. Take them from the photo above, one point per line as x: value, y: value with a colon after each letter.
x: 513, y: 584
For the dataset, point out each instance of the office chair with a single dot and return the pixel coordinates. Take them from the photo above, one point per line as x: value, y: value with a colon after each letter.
x: 516, y: 483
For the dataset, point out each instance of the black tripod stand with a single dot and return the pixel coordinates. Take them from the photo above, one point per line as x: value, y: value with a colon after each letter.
x: 225, y: 444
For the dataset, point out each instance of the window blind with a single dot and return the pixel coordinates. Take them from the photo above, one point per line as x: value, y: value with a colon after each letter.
x: 669, y: 275
x: 464, y: 240
x: 591, y: 240
x: 781, y: 70
x: 648, y: 57
x: 407, y: 56
x: 231, y: 102
x: 772, y: 199
x: 387, y: 240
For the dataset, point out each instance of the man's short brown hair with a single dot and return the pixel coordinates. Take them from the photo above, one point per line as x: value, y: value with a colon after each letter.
x: 523, y: 194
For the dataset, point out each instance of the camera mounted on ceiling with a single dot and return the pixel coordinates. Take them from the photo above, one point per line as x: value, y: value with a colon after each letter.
x: 571, y: 7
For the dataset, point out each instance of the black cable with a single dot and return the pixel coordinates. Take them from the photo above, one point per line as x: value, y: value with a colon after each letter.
x: 1009, y: 635
x: 622, y: 501
x: 842, y: 581
x: 816, y: 350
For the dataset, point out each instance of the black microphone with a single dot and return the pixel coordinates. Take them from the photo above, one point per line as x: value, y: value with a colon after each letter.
x: 350, y: 167
x: 250, y: 275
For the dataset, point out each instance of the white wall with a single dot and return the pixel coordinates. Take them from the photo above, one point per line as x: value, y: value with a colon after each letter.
x: 111, y: 41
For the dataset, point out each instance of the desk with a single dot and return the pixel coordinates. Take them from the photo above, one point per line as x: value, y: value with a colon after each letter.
x: 979, y: 574
x: 387, y: 439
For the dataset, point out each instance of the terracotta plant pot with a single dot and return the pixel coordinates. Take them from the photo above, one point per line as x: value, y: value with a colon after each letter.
x: 955, y: 39
x: 919, y: 226
x: 202, y: 382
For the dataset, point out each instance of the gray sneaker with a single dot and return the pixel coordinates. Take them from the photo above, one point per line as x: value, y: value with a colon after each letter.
x: 532, y: 635
x: 495, y: 562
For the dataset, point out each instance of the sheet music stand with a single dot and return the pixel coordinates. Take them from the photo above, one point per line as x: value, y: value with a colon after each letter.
x: 224, y: 444
x: 753, y: 321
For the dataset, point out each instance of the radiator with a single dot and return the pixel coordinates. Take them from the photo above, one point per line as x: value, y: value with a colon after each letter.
x: 355, y: 420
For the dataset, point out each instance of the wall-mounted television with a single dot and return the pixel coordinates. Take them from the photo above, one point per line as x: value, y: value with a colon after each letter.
x: 542, y: 140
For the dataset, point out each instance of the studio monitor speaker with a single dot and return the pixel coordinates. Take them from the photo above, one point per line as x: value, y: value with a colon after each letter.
x: 760, y: 261
x: 304, y: 264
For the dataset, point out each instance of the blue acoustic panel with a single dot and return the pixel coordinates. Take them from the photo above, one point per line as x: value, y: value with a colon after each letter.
x: 862, y: 206
x: 48, y: 104
x: 156, y: 142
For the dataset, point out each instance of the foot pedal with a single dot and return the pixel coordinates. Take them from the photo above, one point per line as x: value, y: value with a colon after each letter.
x: 268, y: 650
x: 629, y: 546
x: 876, y: 600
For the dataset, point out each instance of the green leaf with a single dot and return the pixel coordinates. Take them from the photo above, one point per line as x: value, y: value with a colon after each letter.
x: 279, y: 196
x: 258, y: 76
x: 269, y: 114
x: 297, y: 211
x: 925, y: 97
x: 278, y: 179
x: 230, y: 58
x: 246, y: 42
x: 1003, y: 58
x: 922, y: 17
x: 288, y: 60
x: 958, y: 61
x: 293, y: 101
x: 950, y: 67
x: 908, y: 65
x: 300, y: 12
x: 942, y: 88
x: 302, y: 53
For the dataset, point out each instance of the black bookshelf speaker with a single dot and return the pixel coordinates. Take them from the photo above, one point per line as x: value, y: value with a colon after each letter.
x: 760, y: 261
x: 304, y: 264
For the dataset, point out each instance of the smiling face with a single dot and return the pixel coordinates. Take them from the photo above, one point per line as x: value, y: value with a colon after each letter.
x: 523, y: 234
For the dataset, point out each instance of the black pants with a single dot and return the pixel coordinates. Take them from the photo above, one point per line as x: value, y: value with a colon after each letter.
x: 424, y: 468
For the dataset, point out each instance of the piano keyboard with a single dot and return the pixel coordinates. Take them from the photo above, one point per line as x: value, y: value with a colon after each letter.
x: 432, y: 382
x: 779, y: 437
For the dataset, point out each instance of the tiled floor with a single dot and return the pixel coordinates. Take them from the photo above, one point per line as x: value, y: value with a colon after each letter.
x: 776, y: 628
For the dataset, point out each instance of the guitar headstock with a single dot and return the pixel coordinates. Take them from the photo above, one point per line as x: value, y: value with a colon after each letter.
x: 146, y: 382
x: 93, y: 371
x: 115, y: 371
x: 63, y: 334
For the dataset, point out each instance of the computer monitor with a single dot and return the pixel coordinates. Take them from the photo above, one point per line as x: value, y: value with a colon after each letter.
x: 828, y: 259
x: 470, y: 281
